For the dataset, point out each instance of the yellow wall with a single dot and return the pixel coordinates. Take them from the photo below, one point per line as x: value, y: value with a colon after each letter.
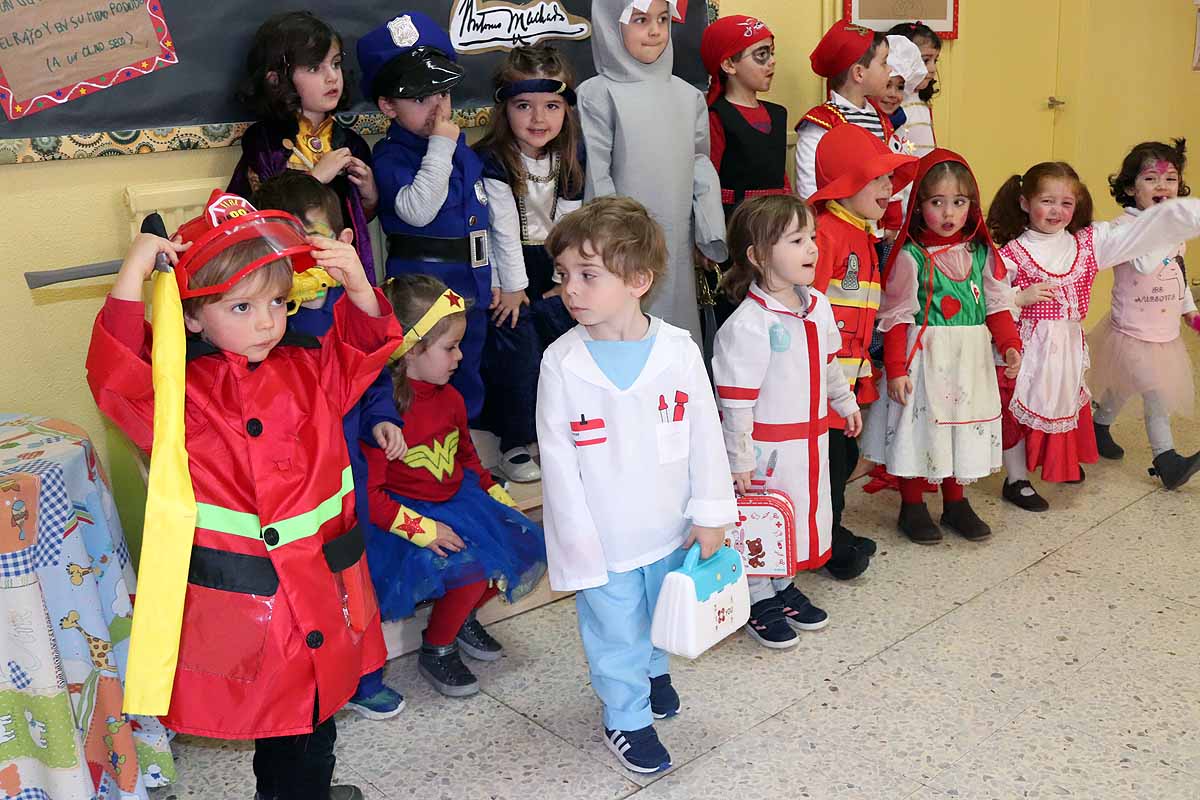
x: 1119, y: 91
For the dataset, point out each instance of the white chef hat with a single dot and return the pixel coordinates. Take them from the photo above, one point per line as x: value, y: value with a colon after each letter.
x: 904, y: 60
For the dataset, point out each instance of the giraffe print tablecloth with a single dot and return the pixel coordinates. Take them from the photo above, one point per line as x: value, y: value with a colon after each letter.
x: 65, y: 614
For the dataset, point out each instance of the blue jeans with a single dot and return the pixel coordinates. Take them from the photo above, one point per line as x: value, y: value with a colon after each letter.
x: 614, y: 623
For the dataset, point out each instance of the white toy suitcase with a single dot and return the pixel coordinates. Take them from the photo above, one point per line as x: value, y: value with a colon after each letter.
x: 701, y: 603
x: 765, y: 534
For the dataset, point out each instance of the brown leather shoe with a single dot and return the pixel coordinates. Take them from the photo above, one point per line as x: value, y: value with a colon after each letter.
x: 917, y: 525
x: 959, y: 517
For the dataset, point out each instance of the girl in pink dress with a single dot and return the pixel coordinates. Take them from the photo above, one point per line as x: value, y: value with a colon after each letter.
x: 1137, y: 349
x: 1042, y: 221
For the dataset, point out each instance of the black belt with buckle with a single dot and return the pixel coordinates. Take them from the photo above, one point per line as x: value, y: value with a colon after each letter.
x: 471, y: 249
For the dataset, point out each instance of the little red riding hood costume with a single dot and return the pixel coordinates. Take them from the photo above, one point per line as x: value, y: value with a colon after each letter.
x: 279, y: 612
x: 849, y: 158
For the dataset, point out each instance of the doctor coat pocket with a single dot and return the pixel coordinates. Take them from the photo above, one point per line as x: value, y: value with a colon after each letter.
x: 674, y: 439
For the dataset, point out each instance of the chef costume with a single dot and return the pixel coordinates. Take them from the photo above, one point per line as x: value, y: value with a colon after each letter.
x: 631, y: 459
x: 445, y: 235
x: 646, y: 133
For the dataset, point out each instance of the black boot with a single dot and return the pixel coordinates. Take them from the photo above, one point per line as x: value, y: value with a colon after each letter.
x: 1173, y: 469
x: 917, y: 525
x: 958, y: 516
x: 443, y: 667
x: 846, y: 560
x: 1105, y: 444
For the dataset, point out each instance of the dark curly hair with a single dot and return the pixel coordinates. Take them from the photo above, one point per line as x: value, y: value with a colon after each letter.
x: 1175, y: 153
x: 286, y: 42
x: 918, y: 33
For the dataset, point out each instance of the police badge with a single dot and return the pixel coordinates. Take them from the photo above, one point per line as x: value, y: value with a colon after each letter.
x: 404, y: 32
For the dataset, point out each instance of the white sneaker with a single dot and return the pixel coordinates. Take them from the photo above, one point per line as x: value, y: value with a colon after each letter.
x: 517, y: 465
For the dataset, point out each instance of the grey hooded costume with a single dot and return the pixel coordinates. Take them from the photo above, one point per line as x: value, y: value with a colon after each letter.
x: 646, y: 133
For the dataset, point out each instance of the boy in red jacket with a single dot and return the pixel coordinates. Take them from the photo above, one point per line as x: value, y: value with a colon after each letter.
x: 856, y: 176
x: 279, y: 619
x: 853, y: 59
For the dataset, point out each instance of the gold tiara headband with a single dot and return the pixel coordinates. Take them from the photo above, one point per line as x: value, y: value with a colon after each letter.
x: 448, y: 303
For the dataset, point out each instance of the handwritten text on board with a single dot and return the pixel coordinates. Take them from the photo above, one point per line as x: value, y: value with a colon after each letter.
x: 52, y: 51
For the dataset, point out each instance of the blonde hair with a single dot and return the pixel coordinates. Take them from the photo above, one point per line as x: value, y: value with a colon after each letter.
x: 620, y: 231
x: 411, y: 295
x: 277, y: 275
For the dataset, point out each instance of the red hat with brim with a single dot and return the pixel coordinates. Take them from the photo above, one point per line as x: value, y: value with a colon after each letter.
x: 725, y: 38
x: 839, y: 48
x: 850, y: 157
x: 229, y: 220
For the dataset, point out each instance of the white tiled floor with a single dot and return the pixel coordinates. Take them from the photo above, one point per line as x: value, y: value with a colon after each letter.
x: 1061, y: 659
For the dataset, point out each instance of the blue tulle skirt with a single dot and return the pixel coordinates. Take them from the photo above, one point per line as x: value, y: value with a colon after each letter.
x: 502, y: 545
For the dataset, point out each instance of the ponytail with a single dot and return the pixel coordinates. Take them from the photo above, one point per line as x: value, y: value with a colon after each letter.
x: 1005, y: 219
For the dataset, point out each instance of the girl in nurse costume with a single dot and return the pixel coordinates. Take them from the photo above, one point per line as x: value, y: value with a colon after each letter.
x: 1043, y: 222
x: 776, y: 371
x: 944, y: 301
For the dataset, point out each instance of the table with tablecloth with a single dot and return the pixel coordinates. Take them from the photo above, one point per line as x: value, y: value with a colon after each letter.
x: 65, y: 614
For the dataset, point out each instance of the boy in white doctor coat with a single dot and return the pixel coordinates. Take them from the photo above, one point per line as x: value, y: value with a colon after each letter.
x: 633, y: 462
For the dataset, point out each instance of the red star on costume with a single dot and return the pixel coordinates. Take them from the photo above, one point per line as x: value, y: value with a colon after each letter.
x: 412, y: 525
x: 453, y: 298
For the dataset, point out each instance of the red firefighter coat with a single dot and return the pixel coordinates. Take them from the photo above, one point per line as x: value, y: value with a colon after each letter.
x: 848, y: 274
x: 279, y: 607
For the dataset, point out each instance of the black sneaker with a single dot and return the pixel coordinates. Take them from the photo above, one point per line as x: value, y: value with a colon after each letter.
x: 443, y: 668
x: 799, y: 612
x: 476, y: 642
x: 1030, y: 501
x: 768, y: 625
x: 639, y: 750
x: 664, y: 700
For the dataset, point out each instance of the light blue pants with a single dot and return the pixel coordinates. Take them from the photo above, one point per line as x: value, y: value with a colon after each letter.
x: 614, y: 623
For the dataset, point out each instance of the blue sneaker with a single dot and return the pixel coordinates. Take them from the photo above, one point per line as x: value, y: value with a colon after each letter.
x: 664, y: 700
x: 799, y: 612
x: 383, y: 703
x: 639, y: 750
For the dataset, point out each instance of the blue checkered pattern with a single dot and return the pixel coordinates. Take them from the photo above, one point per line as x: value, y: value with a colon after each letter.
x: 31, y: 794
x: 54, y: 515
x: 19, y: 677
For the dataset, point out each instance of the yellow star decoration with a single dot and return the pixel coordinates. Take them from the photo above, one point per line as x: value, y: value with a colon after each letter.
x: 167, y: 43
x: 20, y: 109
x: 145, y: 64
x: 83, y: 90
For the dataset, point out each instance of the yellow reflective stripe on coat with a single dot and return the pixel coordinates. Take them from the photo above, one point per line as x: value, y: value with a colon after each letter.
x: 242, y: 523
x: 170, y: 518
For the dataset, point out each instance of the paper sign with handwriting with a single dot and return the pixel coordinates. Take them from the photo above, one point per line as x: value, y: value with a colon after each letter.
x: 54, y: 51
x: 478, y: 26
